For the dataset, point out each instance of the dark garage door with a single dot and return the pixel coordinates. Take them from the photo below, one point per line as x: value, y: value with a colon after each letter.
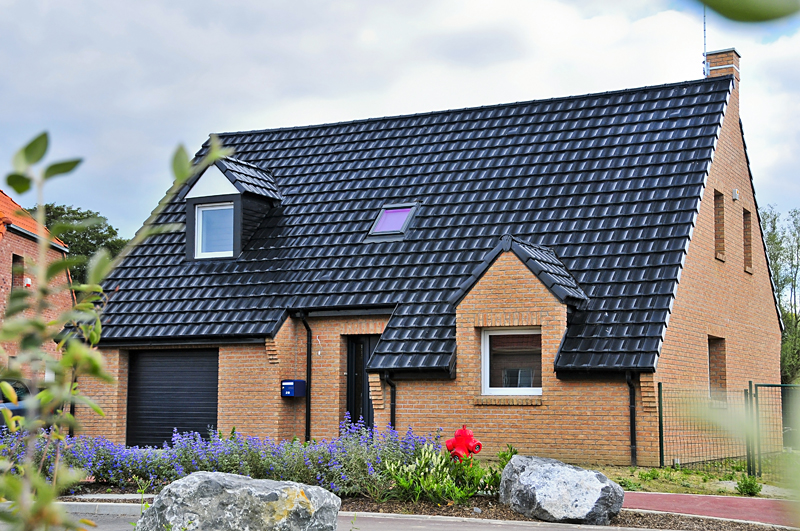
x: 171, y: 389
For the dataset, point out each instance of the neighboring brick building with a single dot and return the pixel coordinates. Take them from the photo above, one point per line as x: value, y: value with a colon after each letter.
x: 524, y: 269
x: 18, y: 253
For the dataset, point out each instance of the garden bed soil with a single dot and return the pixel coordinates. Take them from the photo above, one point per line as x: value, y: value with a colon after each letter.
x: 488, y: 508
x: 491, y: 509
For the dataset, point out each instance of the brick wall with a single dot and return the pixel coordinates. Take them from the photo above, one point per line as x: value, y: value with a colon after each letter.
x: 111, y: 397
x: 14, y: 244
x: 329, y: 367
x: 729, y: 299
x: 584, y: 421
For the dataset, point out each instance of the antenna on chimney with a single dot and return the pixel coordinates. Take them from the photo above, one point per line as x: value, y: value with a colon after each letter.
x: 706, y: 71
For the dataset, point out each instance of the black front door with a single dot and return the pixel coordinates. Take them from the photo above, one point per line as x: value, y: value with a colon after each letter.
x: 359, y: 405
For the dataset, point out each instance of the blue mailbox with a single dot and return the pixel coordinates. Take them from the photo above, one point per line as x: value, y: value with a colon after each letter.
x: 293, y: 388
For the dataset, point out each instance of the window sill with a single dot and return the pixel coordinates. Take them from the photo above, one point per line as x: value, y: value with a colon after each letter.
x: 748, y: 269
x: 720, y: 257
x: 507, y: 401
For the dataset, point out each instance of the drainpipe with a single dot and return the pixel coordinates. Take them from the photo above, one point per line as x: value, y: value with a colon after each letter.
x: 632, y: 395
x: 309, y: 357
x: 392, y: 400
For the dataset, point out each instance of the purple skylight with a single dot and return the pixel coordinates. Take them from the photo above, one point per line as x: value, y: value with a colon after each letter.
x: 392, y: 220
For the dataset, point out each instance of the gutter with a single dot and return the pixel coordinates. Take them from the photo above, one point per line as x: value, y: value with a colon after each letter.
x: 632, y: 407
x: 309, y: 346
x: 35, y: 237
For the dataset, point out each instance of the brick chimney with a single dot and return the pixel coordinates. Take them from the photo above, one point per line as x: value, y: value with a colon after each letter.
x: 722, y: 63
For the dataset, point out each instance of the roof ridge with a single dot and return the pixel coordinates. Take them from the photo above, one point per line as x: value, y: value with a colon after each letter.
x: 709, y: 80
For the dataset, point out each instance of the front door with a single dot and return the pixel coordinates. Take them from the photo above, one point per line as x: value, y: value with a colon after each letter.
x: 359, y: 405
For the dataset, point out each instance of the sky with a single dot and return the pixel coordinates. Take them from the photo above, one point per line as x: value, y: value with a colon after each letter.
x: 122, y: 84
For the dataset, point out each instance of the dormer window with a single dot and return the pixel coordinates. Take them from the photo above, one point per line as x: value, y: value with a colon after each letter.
x: 392, y: 222
x: 214, y: 230
x: 225, y: 206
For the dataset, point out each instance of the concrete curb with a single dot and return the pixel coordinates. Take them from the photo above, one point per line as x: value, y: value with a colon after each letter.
x: 114, y: 509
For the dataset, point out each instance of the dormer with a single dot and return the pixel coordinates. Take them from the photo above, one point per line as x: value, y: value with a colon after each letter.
x: 224, y: 207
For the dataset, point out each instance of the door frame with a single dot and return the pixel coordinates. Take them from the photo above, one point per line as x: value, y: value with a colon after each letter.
x: 358, y: 374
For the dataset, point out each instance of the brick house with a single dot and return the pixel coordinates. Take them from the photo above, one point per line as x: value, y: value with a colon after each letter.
x: 18, y: 251
x: 532, y: 270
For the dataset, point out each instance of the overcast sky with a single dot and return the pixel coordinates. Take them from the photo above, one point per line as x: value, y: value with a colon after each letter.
x: 123, y: 83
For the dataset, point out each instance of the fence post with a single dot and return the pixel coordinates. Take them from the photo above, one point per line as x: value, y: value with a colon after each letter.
x: 757, y: 413
x: 748, y: 452
x: 660, y: 426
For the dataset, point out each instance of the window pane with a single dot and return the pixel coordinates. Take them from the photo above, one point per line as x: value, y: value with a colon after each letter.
x: 392, y: 220
x: 216, y: 230
x: 515, y: 360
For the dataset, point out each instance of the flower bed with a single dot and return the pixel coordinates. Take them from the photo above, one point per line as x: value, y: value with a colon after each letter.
x: 379, y: 464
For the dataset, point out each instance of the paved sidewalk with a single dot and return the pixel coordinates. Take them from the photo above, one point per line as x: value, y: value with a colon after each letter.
x: 764, y: 510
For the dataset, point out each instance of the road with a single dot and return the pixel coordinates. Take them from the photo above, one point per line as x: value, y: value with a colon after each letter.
x: 365, y: 522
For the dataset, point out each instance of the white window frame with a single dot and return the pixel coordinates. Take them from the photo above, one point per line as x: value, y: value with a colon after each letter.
x: 198, y: 232
x: 486, y: 333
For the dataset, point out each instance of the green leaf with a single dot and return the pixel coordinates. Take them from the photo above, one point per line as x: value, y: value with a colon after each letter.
x: 59, y: 266
x: 20, y: 183
x: 82, y: 399
x: 9, y: 392
x: 9, y: 419
x: 36, y: 149
x: 181, y: 165
x: 99, y: 267
x: 754, y: 10
x: 60, y: 168
x: 60, y: 228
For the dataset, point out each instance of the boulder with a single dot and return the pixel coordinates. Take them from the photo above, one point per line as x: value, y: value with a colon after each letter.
x: 214, y: 501
x: 557, y: 492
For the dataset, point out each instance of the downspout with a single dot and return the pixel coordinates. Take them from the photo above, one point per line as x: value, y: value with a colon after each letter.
x: 632, y: 406
x: 392, y: 400
x: 309, y: 345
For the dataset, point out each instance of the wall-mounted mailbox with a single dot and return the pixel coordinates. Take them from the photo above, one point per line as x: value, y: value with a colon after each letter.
x: 293, y: 388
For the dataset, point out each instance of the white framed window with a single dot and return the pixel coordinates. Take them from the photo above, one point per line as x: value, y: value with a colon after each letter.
x: 213, y: 230
x: 511, y: 361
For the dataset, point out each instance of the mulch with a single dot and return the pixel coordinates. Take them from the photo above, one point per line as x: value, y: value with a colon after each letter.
x: 487, y: 508
x: 491, y: 509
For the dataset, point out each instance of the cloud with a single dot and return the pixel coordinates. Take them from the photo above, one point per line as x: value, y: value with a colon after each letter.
x: 123, y: 83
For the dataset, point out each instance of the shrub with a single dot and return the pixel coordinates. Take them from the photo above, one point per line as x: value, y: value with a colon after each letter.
x: 649, y: 475
x: 629, y: 484
x: 352, y: 464
x: 748, y: 485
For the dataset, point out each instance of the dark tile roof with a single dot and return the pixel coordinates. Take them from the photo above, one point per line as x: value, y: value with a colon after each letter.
x: 250, y: 178
x: 611, y: 183
x: 542, y: 262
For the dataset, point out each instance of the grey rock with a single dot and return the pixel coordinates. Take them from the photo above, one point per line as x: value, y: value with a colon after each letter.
x: 214, y: 501
x: 557, y: 492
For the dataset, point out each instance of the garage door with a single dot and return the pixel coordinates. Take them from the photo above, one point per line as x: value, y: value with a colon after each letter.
x: 170, y: 389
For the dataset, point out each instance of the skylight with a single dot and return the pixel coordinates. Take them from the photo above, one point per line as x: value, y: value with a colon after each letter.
x: 392, y: 222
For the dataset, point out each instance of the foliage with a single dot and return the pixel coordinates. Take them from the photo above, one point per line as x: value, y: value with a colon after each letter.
x: 84, y: 231
x: 748, y: 485
x: 754, y: 10
x: 380, y: 464
x: 629, y: 484
x: 35, y: 450
x: 782, y: 240
x: 352, y: 464
x: 649, y: 475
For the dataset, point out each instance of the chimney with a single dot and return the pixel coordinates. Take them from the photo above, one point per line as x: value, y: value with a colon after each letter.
x: 722, y: 63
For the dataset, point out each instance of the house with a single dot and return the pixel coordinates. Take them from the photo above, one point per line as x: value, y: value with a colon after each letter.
x: 532, y: 270
x: 18, y: 252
